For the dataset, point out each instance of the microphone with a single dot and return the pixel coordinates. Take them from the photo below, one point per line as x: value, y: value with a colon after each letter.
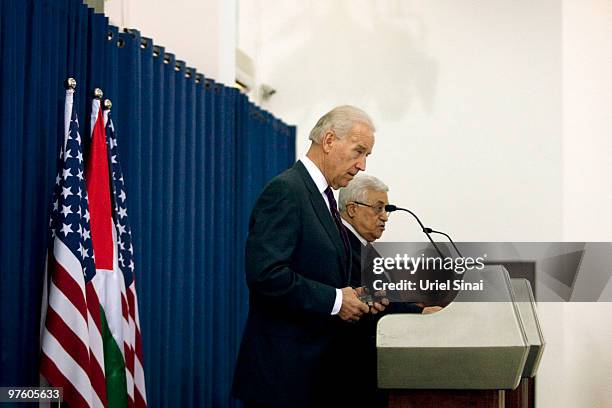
x: 449, y: 238
x: 426, y: 230
x: 390, y: 208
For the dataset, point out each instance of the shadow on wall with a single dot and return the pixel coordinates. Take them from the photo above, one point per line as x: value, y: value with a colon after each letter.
x: 342, y: 42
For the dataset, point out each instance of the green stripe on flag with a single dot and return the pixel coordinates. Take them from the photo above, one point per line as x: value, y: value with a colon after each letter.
x: 114, y: 368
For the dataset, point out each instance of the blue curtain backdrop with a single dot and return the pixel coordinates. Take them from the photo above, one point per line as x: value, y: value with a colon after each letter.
x: 195, y: 155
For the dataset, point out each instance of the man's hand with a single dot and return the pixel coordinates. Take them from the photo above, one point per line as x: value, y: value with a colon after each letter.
x: 431, y: 309
x: 352, y: 308
x: 379, y: 306
x: 380, y: 303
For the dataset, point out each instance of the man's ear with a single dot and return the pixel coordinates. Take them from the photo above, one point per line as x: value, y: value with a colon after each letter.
x: 350, y: 209
x: 328, y: 140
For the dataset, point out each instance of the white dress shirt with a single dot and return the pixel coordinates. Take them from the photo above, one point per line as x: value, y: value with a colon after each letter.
x: 319, y: 179
x: 354, y: 231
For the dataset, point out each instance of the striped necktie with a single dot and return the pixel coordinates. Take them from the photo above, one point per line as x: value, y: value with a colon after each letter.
x: 336, y: 215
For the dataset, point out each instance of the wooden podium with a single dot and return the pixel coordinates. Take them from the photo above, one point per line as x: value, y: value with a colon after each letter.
x: 481, y: 351
x: 521, y: 397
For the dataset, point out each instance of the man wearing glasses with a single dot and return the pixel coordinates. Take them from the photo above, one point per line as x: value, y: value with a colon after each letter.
x: 362, y: 207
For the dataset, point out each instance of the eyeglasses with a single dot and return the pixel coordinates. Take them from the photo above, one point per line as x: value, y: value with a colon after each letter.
x: 378, y: 209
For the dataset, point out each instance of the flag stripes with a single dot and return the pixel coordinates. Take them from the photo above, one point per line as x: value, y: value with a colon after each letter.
x: 66, y: 359
x: 132, y: 340
x: 90, y: 335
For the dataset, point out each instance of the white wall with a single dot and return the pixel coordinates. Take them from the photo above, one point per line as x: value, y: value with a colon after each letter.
x: 466, y: 96
x: 587, y: 196
x: 587, y: 119
x: 201, y: 33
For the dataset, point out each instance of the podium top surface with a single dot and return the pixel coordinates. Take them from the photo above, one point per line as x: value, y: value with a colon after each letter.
x: 474, y: 323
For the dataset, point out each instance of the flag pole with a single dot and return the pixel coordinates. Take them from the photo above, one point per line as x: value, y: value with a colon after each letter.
x: 98, y: 94
x: 70, y: 83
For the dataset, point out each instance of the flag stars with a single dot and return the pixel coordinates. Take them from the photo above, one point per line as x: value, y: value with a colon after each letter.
x: 66, y: 229
x: 66, y: 210
x: 121, y: 228
x: 66, y: 173
x: 66, y: 192
x: 122, y: 195
x: 122, y: 212
x: 86, y: 234
x: 86, y: 216
x: 83, y: 251
x: 55, y: 205
x: 80, y: 157
x: 114, y: 159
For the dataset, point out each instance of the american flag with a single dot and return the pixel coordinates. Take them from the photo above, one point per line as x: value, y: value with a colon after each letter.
x: 132, y: 341
x: 71, y: 341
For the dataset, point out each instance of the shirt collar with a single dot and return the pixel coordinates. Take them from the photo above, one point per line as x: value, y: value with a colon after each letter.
x: 354, y: 231
x: 315, y: 174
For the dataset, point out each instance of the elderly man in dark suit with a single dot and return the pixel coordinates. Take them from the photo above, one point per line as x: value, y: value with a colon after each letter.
x: 362, y: 207
x: 298, y: 263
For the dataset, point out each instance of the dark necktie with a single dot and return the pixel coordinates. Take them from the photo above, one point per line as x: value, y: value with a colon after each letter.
x: 333, y: 206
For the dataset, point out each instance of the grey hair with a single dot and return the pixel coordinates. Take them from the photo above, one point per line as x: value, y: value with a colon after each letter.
x: 340, y: 119
x: 357, y: 190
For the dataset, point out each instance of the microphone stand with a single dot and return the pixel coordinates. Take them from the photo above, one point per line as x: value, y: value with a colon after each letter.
x: 427, y: 231
x: 449, y: 238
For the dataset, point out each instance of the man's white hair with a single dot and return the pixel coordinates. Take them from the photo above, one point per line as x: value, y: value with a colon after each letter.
x: 357, y: 190
x: 340, y: 119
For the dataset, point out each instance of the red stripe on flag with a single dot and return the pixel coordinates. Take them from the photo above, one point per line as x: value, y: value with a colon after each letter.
x: 56, y: 379
x: 74, y: 345
x: 130, y: 298
x: 98, y: 188
x: 69, y: 287
x: 124, y: 308
x: 139, y: 402
x: 96, y: 376
x: 138, y: 337
x: 138, y: 346
x: 93, y: 305
x: 130, y: 402
x: 129, y: 358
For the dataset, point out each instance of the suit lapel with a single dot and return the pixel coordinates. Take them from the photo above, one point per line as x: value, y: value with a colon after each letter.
x: 323, y: 213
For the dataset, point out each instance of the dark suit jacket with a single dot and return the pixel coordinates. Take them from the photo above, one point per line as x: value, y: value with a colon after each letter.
x: 361, y: 337
x: 295, y: 260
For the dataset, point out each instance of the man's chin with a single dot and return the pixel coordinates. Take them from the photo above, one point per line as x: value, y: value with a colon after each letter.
x: 346, y: 180
x: 340, y: 184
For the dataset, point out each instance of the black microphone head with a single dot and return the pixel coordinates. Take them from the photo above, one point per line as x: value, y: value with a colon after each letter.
x: 390, y: 208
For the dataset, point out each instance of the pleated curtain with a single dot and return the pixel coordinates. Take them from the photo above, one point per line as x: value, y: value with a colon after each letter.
x: 195, y: 155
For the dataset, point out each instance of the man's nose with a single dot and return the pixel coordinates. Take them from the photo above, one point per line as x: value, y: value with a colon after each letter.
x: 361, y: 164
x: 384, y: 216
